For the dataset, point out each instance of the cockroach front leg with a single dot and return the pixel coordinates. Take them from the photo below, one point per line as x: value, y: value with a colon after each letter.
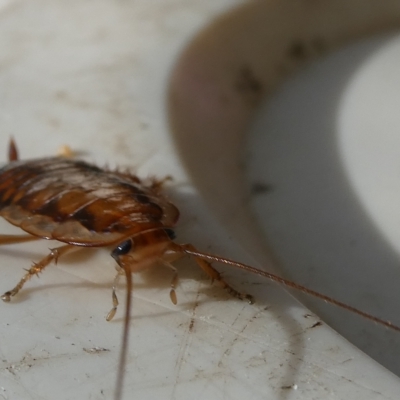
x: 174, y: 280
x: 172, y: 294
x: 212, y: 272
x: 115, y: 301
x: 37, y: 268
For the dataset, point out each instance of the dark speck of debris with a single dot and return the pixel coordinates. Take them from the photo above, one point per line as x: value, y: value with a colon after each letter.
x: 294, y: 387
x: 261, y: 188
x: 319, y: 323
x: 300, y: 51
x: 297, y: 51
x: 249, y: 86
x: 191, y: 325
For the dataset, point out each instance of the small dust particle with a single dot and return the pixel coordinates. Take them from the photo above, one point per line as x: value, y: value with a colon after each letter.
x: 319, y: 323
x: 95, y: 350
x: 294, y: 387
x: 261, y: 188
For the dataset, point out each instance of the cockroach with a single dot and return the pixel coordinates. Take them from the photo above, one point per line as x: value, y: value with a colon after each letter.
x: 80, y: 204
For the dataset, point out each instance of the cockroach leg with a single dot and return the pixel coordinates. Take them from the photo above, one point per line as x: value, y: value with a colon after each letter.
x: 115, y: 301
x: 174, y: 281
x: 12, y: 239
x: 211, y: 272
x: 172, y: 293
x: 216, y: 276
x: 157, y: 184
x: 112, y: 312
x: 37, y: 268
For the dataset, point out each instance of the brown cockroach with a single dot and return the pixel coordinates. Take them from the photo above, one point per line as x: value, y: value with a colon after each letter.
x: 80, y: 204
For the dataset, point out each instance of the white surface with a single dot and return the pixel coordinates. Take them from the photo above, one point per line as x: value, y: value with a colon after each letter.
x: 327, y: 146
x: 94, y: 75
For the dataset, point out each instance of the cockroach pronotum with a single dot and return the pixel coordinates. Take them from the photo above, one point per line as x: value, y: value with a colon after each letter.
x: 80, y: 204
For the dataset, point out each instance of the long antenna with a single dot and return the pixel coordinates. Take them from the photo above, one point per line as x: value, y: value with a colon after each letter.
x: 125, y: 336
x: 288, y: 283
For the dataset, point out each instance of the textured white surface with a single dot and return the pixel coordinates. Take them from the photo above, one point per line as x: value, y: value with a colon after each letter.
x: 327, y: 146
x: 94, y: 75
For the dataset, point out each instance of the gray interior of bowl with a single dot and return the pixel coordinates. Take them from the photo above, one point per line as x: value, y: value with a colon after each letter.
x: 271, y: 168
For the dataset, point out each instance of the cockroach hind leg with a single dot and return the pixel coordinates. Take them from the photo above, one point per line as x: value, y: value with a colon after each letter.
x: 35, y: 269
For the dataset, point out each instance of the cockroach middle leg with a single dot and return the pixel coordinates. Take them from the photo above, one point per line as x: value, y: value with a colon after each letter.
x: 37, y: 268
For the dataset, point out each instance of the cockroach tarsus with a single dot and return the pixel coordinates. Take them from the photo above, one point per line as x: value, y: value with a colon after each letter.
x: 82, y: 205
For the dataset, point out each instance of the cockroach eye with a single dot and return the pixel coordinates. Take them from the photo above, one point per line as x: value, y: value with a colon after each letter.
x: 121, y: 249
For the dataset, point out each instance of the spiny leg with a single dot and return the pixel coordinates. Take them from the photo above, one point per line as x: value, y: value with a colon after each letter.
x: 12, y: 239
x: 37, y: 268
x: 157, y: 184
x: 216, y: 276
x: 115, y: 301
x: 174, y: 280
x: 172, y: 293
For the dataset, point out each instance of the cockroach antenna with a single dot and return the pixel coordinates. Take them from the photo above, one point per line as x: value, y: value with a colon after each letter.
x: 293, y: 285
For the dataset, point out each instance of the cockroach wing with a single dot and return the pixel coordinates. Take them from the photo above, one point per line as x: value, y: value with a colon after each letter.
x: 78, y: 203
